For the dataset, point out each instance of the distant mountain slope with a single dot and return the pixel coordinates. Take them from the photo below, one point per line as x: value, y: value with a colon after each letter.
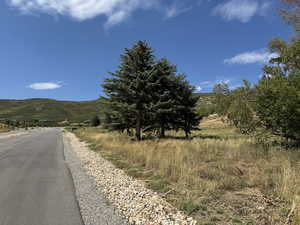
x: 48, y: 109
x: 205, y: 97
x: 53, y: 110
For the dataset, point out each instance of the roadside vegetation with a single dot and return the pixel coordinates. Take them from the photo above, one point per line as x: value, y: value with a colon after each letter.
x: 218, y: 177
x: 239, y: 166
x: 146, y: 94
x: 4, y: 128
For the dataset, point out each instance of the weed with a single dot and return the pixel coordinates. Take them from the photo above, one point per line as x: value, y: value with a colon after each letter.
x: 214, y: 219
x: 189, y: 206
x: 158, y: 184
x: 220, y: 211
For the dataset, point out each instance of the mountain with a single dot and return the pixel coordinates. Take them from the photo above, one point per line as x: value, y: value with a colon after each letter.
x: 48, y: 109
x: 205, y: 97
x: 53, y: 110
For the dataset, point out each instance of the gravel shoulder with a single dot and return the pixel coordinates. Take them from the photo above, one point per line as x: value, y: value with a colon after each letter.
x: 98, y: 182
x: 95, y: 209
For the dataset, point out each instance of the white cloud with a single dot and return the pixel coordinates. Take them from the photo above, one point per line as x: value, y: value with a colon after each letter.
x: 259, y: 56
x: 45, y: 86
x: 176, y: 9
x: 116, y: 11
x: 242, y: 10
x: 199, y: 88
x: 208, y: 85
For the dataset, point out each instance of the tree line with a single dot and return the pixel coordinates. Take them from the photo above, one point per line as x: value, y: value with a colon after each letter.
x: 148, y: 95
x: 28, y: 123
x: 272, y: 105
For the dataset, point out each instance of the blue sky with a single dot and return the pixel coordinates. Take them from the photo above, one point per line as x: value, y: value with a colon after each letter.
x: 63, y: 49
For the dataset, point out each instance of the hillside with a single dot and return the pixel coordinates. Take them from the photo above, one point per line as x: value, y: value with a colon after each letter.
x: 48, y: 109
x: 53, y: 110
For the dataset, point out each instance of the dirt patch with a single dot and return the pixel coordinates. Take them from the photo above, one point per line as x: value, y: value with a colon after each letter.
x: 213, y: 121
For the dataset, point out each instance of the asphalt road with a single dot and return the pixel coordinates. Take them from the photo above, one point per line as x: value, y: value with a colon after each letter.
x: 36, y: 187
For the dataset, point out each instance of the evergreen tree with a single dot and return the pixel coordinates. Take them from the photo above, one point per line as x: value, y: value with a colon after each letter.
x: 162, y: 99
x: 186, y: 117
x: 128, y: 90
x: 148, y: 95
x: 95, y: 121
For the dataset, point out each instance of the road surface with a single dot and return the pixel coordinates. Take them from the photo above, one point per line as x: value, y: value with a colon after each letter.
x: 36, y: 187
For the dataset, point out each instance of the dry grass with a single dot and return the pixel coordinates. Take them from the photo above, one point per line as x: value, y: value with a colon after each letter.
x: 4, y: 128
x: 220, y: 177
x: 213, y: 121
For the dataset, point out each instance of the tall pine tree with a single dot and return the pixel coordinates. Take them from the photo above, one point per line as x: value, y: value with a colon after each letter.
x: 148, y: 95
x: 162, y: 99
x: 185, y: 106
x: 128, y: 89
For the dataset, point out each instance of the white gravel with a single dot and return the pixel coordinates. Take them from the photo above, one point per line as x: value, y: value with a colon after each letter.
x: 94, y: 207
x: 139, y: 205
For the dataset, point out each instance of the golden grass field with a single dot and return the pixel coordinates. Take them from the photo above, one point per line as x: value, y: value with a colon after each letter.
x: 218, y: 177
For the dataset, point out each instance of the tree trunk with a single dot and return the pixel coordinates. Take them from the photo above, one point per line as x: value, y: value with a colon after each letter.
x: 129, y: 132
x: 138, y: 126
x: 162, y: 131
x: 186, y: 134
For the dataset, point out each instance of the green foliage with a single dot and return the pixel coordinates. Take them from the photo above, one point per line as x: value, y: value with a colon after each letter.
x: 187, y: 119
x: 95, y: 121
x: 205, y: 110
x: 189, y: 206
x: 163, y: 97
x: 206, y: 104
x: 273, y: 105
x: 29, y: 123
x: 241, y: 112
x: 278, y: 106
x: 291, y: 14
x: 129, y: 88
x: 278, y: 92
x: 222, y: 98
x: 146, y: 95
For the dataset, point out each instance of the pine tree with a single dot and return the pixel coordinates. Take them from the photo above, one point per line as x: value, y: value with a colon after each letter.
x: 128, y: 90
x: 186, y: 117
x: 95, y: 121
x: 162, y: 102
x: 172, y: 100
x: 148, y: 95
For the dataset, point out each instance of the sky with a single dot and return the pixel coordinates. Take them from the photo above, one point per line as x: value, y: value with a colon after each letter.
x: 64, y: 49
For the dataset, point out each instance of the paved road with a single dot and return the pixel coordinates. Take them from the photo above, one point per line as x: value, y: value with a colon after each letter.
x: 35, y: 185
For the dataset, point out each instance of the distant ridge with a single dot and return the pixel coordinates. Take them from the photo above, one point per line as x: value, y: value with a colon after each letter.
x: 56, y: 110
x: 49, y: 109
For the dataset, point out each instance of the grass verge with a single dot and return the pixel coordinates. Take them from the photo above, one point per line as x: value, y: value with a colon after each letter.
x: 4, y: 129
x: 218, y: 177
